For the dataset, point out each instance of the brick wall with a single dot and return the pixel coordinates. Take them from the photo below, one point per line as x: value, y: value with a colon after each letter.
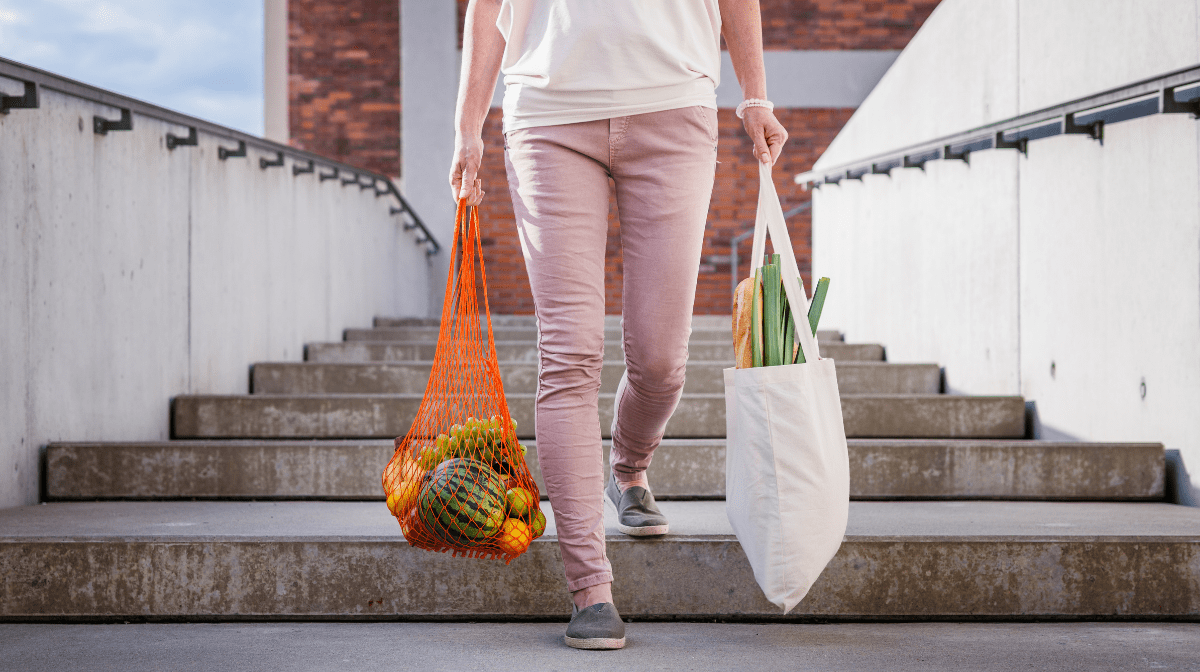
x: 829, y: 24
x: 842, y: 24
x: 344, y: 102
x: 344, y: 80
x: 787, y: 24
x: 732, y: 210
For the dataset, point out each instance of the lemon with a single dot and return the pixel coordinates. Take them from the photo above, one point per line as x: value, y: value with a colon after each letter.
x: 539, y: 524
x: 519, y: 501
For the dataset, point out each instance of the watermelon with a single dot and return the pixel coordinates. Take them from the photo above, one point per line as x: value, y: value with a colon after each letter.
x: 463, y: 502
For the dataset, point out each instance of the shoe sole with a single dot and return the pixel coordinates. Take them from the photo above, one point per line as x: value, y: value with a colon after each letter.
x: 643, y: 531
x: 594, y: 643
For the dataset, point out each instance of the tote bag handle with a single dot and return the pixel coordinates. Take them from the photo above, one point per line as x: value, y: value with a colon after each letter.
x: 770, y: 219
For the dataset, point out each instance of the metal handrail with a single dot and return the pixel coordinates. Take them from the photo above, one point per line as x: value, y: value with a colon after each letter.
x: 734, y: 280
x: 35, y: 79
x: 1172, y: 93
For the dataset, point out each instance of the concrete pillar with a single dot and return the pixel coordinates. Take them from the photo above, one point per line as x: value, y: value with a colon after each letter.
x: 275, y: 70
x: 428, y: 89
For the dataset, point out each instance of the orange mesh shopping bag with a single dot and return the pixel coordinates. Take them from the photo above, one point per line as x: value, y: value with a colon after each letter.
x: 458, y: 481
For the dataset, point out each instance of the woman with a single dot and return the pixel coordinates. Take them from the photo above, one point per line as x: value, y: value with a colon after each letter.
x: 620, y: 89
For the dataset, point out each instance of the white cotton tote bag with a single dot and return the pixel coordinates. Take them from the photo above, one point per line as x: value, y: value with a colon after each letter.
x: 787, y: 473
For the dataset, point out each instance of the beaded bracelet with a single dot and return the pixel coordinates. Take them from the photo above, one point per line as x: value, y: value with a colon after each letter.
x: 753, y: 102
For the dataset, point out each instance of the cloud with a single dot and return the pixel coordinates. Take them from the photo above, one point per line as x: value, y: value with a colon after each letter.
x: 200, y: 58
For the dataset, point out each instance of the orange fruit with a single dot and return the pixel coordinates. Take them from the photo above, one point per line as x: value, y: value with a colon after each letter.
x: 519, y: 501
x: 403, y: 498
x: 539, y: 524
x: 514, y: 537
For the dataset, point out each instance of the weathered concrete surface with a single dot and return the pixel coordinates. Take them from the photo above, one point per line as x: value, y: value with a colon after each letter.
x: 697, y: 416
x: 305, y: 469
x: 714, y: 322
x: 943, y: 416
x: 682, y: 468
x: 522, y: 351
x: 217, y: 470
x: 1003, y: 271
x: 527, y: 334
x: 521, y: 377
x: 804, y: 647
x: 337, y: 559
x: 974, y: 469
x: 129, y: 272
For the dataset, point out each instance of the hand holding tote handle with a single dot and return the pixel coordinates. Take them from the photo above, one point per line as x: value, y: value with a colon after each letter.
x: 770, y: 219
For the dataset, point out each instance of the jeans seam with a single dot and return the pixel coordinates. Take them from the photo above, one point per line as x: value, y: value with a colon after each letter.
x: 711, y: 124
x: 615, y: 142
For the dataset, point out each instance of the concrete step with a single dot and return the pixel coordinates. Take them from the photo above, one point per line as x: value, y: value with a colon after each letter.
x: 528, y: 334
x: 682, y: 469
x: 262, y: 416
x: 523, y: 351
x: 701, y: 322
x: 897, y: 647
x: 521, y: 377
x: 510, y: 320
x: 347, y: 560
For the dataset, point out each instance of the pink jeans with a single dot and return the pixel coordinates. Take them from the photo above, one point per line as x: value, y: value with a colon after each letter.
x: 663, y: 165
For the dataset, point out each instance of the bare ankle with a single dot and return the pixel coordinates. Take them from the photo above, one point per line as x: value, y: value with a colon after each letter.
x: 598, y: 594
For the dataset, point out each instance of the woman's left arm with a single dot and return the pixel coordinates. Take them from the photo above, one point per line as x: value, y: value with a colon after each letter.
x: 741, y: 26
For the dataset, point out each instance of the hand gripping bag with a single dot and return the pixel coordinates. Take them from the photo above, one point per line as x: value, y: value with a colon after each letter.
x: 458, y: 481
x: 787, y: 478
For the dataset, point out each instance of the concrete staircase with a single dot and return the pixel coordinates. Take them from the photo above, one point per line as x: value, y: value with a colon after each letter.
x: 268, y: 506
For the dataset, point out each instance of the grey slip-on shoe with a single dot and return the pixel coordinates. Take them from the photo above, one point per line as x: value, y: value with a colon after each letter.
x: 597, y: 627
x: 637, y: 514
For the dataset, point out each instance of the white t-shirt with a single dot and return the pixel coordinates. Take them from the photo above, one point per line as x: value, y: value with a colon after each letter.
x: 568, y: 61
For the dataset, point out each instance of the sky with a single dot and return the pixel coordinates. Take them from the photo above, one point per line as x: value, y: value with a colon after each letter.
x: 199, y: 57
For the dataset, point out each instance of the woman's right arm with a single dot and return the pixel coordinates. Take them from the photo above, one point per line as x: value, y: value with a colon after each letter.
x: 483, y: 47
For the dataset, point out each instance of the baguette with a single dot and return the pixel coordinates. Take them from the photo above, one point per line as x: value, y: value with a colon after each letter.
x: 742, y: 350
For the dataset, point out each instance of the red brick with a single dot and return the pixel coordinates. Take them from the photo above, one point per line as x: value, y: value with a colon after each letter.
x: 829, y: 24
x: 344, y: 80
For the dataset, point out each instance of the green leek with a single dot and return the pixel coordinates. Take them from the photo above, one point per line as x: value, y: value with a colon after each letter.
x: 772, y: 329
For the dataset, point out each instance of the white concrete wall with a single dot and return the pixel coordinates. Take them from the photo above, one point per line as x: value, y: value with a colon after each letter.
x: 429, y: 88
x: 275, y: 71
x: 1083, y: 255
x: 130, y: 273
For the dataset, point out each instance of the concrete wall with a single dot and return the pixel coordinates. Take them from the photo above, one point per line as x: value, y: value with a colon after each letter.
x: 1082, y: 256
x: 275, y: 70
x: 130, y: 273
x: 429, y: 62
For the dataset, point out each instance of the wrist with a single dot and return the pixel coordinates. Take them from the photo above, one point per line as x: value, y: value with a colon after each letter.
x: 750, y: 103
x: 468, y: 138
x: 469, y: 125
x: 466, y: 133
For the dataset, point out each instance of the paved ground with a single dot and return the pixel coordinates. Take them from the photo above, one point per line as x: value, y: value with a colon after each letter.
x: 652, y: 646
